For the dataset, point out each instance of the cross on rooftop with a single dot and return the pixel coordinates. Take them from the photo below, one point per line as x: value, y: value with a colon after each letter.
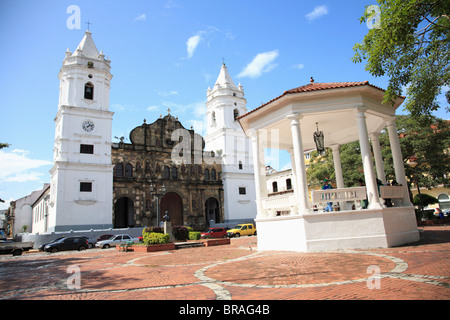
x: 88, y: 23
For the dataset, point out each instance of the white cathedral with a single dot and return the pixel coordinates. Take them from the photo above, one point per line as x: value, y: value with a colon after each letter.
x: 80, y: 196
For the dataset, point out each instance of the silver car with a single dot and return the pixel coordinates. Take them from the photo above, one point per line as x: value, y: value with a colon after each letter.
x: 116, y: 240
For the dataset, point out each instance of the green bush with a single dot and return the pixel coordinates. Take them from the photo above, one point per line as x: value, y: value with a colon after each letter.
x: 155, y: 238
x: 180, y: 233
x: 153, y: 229
x: 194, y: 235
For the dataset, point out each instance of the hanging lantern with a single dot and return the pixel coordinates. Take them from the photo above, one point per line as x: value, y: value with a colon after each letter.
x: 319, y: 139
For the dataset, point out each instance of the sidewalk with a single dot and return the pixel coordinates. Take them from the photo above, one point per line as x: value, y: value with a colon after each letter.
x: 234, y: 272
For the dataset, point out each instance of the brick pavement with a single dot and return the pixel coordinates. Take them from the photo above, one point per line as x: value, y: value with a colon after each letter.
x: 237, y: 271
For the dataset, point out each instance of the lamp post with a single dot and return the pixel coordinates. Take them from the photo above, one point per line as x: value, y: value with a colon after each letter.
x: 319, y: 139
x: 158, y: 193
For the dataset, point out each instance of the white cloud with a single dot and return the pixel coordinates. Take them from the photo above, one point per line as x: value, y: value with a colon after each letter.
x: 152, y: 108
x: 317, y: 13
x: 142, y: 17
x: 170, y: 4
x: 15, y: 166
x: 192, y: 44
x: 167, y: 93
x: 263, y: 62
x: 298, y: 66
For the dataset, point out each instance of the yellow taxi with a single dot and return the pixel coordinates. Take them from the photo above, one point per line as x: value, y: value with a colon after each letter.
x: 244, y: 229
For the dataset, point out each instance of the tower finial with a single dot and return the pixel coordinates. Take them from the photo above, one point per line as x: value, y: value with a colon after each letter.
x: 88, y: 24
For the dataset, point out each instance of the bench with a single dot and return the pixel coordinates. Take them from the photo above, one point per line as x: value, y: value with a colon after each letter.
x: 124, y: 247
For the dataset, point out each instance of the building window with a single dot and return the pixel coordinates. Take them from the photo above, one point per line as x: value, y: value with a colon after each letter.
x: 89, y: 91
x: 240, y: 165
x: 242, y: 190
x: 87, y: 148
x: 166, y: 172
x: 213, y: 117
x: 138, y: 166
x: 288, y: 184
x: 118, y: 170
x: 236, y: 114
x: 206, y: 175
x: 275, y: 186
x: 213, y: 175
x: 85, y: 186
x: 174, y: 173
x: 128, y: 171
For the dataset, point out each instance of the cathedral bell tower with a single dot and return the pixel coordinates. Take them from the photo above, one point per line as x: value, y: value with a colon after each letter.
x: 81, y: 177
x: 225, y: 103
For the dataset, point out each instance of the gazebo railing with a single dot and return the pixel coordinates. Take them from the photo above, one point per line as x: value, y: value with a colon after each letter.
x: 281, y: 202
x: 338, y: 195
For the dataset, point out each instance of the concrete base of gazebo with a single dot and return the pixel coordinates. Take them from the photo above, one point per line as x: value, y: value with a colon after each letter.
x: 356, y: 229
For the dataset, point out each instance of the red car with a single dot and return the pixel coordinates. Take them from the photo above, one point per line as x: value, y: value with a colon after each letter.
x: 214, y: 233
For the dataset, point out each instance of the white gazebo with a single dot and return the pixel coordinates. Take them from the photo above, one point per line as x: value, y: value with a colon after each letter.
x: 344, y: 112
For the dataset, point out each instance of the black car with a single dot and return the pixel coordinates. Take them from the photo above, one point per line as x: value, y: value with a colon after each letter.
x: 72, y: 243
x: 41, y: 247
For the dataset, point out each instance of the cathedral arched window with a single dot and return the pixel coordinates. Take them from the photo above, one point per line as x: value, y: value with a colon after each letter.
x: 235, y: 114
x: 128, y: 170
x: 89, y: 91
x: 213, y: 175
x: 118, y: 170
x: 138, y: 166
x: 166, y: 172
x: 206, y: 174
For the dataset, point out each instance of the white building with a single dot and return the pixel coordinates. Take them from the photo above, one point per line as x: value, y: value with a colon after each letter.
x: 81, y: 177
x: 225, y: 103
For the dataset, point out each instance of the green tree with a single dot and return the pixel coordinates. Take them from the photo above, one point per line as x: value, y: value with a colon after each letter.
x: 322, y: 166
x: 411, y: 47
x: 425, y: 150
x: 424, y: 145
x: 3, y: 145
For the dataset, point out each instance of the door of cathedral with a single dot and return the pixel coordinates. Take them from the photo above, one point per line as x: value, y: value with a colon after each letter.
x: 124, y: 213
x: 173, y: 204
x: 212, y: 210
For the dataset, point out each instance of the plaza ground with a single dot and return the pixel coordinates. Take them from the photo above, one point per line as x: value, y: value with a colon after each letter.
x: 419, y: 271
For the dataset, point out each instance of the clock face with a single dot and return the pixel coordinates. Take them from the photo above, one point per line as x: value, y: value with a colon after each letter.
x: 88, y: 126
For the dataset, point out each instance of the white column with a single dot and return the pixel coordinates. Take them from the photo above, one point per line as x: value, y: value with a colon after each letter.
x: 397, y: 158
x: 294, y: 175
x: 381, y: 175
x: 260, y: 173
x: 300, y: 167
x: 337, y: 166
x: 338, y: 172
x: 369, y: 171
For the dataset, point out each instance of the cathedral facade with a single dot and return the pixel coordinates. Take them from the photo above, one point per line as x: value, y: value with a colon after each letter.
x: 159, y: 173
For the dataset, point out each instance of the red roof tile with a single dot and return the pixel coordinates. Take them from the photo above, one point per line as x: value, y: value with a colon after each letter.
x: 316, y: 87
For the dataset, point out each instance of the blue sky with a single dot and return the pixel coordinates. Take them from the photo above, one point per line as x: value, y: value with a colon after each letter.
x: 165, y: 54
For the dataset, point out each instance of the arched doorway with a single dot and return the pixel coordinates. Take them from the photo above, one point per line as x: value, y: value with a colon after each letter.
x: 124, y: 213
x: 173, y: 204
x: 212, y: 210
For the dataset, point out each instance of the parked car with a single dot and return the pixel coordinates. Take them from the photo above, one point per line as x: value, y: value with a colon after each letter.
x: 104, y: 237
x: 42, y: 247
x: 116, y: 240
x: 214, y: 233
x: 446, y: 213
x: 71, y: 243
x: 91, y: 242
x: 245, y: 229
x: 15, y: 248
